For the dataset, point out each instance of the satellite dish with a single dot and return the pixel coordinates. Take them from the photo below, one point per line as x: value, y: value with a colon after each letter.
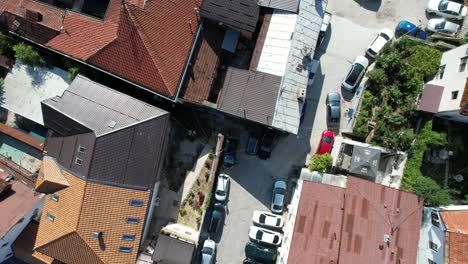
x: 458, y: 178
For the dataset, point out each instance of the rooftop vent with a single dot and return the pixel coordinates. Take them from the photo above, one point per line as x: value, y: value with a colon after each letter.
x: 97, y: 235
x: 112, y: 124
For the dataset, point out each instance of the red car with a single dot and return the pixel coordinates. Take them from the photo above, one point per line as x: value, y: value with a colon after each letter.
x: 326, y: 142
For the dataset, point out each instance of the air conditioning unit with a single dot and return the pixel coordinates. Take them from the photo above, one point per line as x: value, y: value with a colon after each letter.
x: 301, y: 94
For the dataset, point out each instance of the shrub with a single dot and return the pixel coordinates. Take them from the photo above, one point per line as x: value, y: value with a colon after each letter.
x: 27, y: 55
x: 321, y: 162
x: 424, y: 59
x: 72, y: 72
x: 377, y: 79
x: 182, y: 211
x: 2, y: 84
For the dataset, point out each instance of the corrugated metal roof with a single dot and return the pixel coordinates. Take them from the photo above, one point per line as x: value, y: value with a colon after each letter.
x: 241, y: 15
x: 287, y: 5
x: 100, y: 108
x: 249, y: 95
x: 288, y: 108
x: 275, y: 51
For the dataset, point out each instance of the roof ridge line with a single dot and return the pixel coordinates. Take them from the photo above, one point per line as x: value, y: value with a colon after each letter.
x: 146, y: 42
x: 60, y: 237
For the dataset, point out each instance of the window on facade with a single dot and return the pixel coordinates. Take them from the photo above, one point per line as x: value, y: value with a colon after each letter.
x: 81, y: 149
x: 128, y: 237
x: 462, y: 66
x: 433, y: 246
x: 430, y: 261
x: 131, y: 220
x: 454, y: 95
x: 441, y: 71
x: 50, y: 217
x: 138, y: 203
x: 126, y: 249
x: 54, y: 197
x: 78, y: 161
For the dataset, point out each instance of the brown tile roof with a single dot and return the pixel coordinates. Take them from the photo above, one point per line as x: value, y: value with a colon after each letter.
x: 84, y: 208
x: 317, y: 230
x: 15, y: 204
x: 458, y: 248
x: 21, y: 136
x: 144, y: 43
x: 51, y: 16
x: 206, y: 62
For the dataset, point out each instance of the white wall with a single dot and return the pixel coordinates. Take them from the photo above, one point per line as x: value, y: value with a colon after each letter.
x: 15, y: 231
x: 452, y: 80
x: 429, y: 232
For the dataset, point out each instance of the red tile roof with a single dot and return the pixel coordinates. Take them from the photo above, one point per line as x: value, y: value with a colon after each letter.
x: 144, y: 43
x: 458, y: 248
x: 455, y: 221
x: 317, y: 230
x: 21, y: 136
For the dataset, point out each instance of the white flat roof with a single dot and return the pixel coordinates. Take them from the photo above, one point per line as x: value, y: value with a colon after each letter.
x: 275, y: 51
x: 25, y: 88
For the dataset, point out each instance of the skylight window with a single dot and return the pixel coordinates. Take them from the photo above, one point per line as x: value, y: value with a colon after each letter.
x: 131, y: 220
x: 137, y: 203
x: 128, y: 237
x: 126, y: 249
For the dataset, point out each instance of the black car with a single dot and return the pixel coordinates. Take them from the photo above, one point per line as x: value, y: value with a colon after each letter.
x: 217, y: 217
x: 251, y: 148
x: 259, y: 253
x: 333, y: 107
x: 266, y: 146
x: 230, y: 153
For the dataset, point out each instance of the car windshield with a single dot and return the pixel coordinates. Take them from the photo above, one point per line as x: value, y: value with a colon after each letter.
x: 277, y: 207
x: 327, y: 139
x: 207, y: 251
x: 219, y: 192
x: 443, y: 5
x: 354, y: 74
x: 279, y: 191
x: 259, y: 235
x: 262, y: 218
x: 276, y: 239
x: 440, y: 26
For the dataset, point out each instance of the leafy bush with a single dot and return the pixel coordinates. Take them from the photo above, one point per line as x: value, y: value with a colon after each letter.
x: 361, y: 129
x: 27, y: 55
x: 424, y: 59
x: 72, y: 72
x: 182, y: 211
x: 211, y: 154
x: 2, y: 83
x: 321, y: 162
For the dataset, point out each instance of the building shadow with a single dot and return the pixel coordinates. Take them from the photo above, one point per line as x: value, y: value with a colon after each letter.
x: 371, y: 5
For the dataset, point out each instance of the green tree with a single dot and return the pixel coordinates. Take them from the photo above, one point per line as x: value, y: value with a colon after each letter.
x: 27, y: 55
x: 377, y: 79
x: 431, y: 192
x: 321, y: 162
x: 424, y: 59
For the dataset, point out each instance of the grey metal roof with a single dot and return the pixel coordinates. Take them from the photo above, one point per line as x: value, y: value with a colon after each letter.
x: 172, y: 250
x: 286, y: 5
x: 101, y: 108
x: 241, y: 15
x: 250, y: 95
x: 365, y: 161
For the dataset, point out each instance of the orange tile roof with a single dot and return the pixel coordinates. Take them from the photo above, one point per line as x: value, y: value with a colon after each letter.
x: 455, y: 221
x: 50, y: 177
x: 84, y: 208
x: 458, y: 248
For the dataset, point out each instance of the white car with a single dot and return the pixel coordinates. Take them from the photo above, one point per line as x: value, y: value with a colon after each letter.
x: 267, y: 219
x: 355, y: 73
x: 446, y: 9
x: 264, y: 236
x: 277, y: 201
x: 442, y: 26
x: 384, y: 36
x: 222, y: 187
x: 208, y: 252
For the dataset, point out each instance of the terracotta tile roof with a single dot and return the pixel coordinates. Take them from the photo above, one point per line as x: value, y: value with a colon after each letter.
x: 84, y: 208
x: 51, y: 177
x: 44, y: 258
x: 205, y: 66
x: 455, y: 221
x: 458, y: 248
x: 51, y: 16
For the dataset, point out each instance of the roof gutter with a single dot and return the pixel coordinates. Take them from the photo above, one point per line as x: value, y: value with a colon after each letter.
x: 187, y: 63
x: 97, y: 68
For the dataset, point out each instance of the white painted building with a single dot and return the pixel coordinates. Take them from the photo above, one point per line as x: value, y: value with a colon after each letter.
x: 436, y: 229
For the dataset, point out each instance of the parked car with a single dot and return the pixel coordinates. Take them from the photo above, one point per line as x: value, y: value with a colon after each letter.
x: 385, y: 35
x: 266, y: 145
x: 259, y: 253
x: 324, y: 28
x: 326, y: 142
x: 355, y: 73
x: 265, y: 236
x: 267, y: 220
x: 250, y: 261
x: 277, y: 200
x: 229, y: 158
x: 251, y: 148
x: 313, y: 68
x: 333, y: 107
x: 442, y: 26
x: 222, y: 187
x: 447, y: 9
x: 217, y: 218
x: 407, y: 28
x: 208, y: 252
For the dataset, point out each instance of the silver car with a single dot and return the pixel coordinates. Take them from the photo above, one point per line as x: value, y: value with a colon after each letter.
x: 442, y: 26
x: 277, y: 201
x: 222, y: 187
x: 208, y: 252
x: 446, y: 9
x: 333, y: 107
x: 355, y: 73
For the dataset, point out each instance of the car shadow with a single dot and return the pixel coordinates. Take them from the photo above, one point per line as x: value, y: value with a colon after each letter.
x: 371, y: 5
x: 346, y: 94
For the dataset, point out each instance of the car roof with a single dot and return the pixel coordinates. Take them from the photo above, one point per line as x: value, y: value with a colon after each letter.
x: 222, y: 182
x: 334, y: 97
x: 209, y: 243
x: 280, y: 184
x: 362, y: 60
x: 334, y: 111
x: 387, y: 32
x: 278, y: 199
x: 452, y: 6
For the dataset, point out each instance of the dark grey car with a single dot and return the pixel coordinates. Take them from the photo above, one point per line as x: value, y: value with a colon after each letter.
x: 333, y: 107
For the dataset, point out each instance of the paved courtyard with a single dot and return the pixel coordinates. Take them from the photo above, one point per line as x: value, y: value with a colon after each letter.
x: 353, y: 26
